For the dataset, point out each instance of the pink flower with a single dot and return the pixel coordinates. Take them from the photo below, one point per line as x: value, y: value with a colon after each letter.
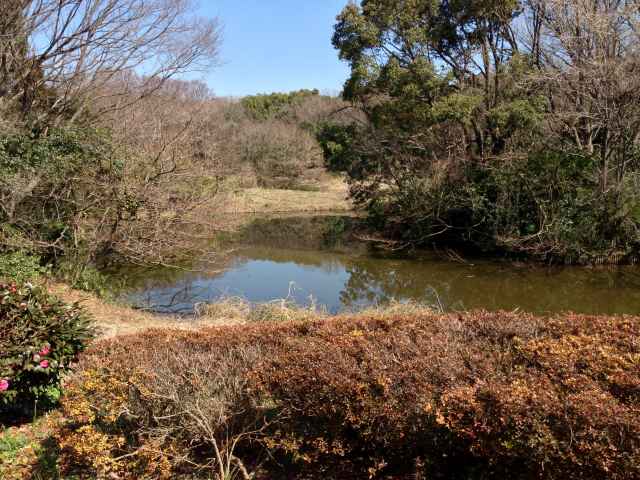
x: 4, y: 385
x: 44, y: 363
x: 45, y: 351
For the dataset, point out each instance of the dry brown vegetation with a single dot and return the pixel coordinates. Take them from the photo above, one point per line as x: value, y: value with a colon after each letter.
x: 114, y: 319
x: 476, y: 395
x: 92, y: 164
x: 330, y: 194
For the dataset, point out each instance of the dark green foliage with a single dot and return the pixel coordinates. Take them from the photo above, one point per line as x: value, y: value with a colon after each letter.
x: 273, y: 105
x: 20, y: 267
x: 336, y: 141
x: 478, y: 154
x: 546, y: 205
x: 56, y: 152
x: 40, y: 338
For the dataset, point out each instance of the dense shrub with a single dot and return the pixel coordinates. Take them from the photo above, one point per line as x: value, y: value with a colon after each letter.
x: 274, y: 105
x: 474, y: 396
x: 545, y: 206
x: 282, y: 156
x: 283, y: 136
x: 40, y: 337
x: 50, y: 183
x: 20, y: 267
x: 86, y: 196
x: 85, y: 278
x: 336, y: 141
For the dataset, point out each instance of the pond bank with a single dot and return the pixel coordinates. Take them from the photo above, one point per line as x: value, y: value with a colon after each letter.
x: 113, y: 319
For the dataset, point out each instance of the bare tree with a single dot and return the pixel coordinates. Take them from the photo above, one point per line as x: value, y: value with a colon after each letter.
x: 203, y: 399
x: 589, y: 51
x: 57, y: 55
x: 171, y: 163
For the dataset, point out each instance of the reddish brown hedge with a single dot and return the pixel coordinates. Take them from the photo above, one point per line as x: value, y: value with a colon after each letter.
x: 478, y: 395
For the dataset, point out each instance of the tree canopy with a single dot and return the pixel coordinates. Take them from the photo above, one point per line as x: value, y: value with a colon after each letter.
x: 464, y: 98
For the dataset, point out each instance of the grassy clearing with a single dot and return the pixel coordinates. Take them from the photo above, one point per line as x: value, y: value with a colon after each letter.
x: 329, y: 195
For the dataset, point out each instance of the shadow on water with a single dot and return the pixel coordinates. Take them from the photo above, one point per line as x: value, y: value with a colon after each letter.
x: 317, y: 259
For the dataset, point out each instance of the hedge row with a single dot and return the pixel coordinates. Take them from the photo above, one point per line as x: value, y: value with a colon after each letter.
x: 470, y: 396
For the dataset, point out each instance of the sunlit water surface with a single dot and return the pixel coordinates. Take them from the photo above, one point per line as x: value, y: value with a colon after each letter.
x: 312, y: 260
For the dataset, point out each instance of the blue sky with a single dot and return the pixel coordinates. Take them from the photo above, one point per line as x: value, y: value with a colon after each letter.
x: 276, y: 46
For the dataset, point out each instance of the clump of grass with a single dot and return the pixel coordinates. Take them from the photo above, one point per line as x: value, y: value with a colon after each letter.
x: 10, y: 444
x: 285, y: 310
x: 28, y: 451
x: 397, y: 308
x: 240, y: 310
x: 228, y: 308
x: 12, y: 448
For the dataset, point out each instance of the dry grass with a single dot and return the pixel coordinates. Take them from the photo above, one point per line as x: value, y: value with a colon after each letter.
x: 396, y: 308
x: 113, y: 319
x: 239, y: 311
x: 329, y: 195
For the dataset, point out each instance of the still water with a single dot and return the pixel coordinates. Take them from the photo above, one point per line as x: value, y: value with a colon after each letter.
x: 315, y: 259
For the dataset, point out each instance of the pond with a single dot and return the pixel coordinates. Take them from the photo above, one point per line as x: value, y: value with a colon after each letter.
x: 316, y: 260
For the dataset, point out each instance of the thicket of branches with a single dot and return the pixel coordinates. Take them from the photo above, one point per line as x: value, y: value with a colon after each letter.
x: 281, y: 136
x: 107, y: 155
x: 511, y: 125
x: 59, y: 56
x: 102, y: 149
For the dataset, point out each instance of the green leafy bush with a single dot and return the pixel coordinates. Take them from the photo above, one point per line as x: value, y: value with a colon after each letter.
x: 40, y: 337
x: 84, y: 277
x: 337, y: 142
x: 20, y: 267
x: 273, y: 105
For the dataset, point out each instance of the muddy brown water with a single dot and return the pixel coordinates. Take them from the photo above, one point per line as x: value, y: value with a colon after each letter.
x: 315, y: 260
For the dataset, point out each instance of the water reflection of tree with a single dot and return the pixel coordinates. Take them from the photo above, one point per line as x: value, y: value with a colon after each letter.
x: 374, y: 282
x: 318, y: 233
x: 328, y: 263
x: 180, y: 298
